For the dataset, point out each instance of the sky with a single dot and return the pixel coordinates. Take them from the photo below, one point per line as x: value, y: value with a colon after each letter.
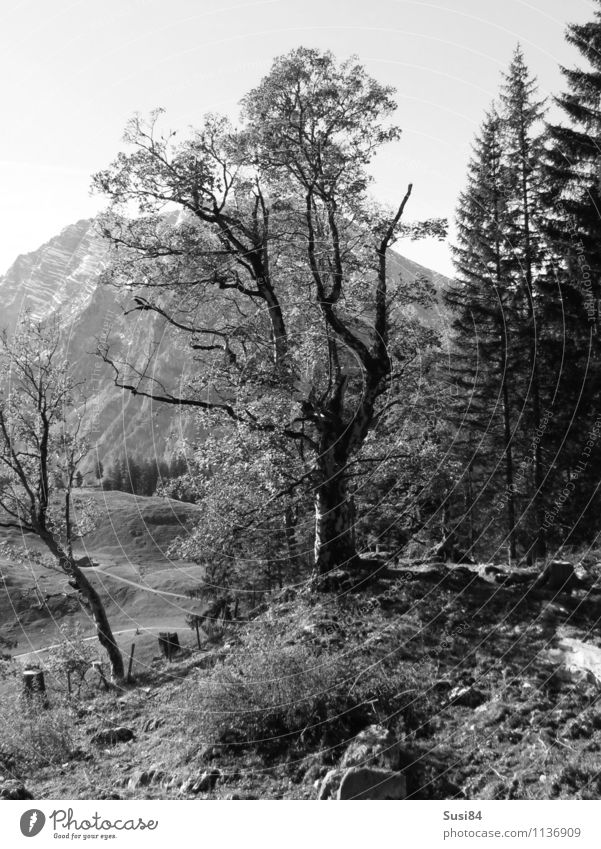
x: 73, y: 73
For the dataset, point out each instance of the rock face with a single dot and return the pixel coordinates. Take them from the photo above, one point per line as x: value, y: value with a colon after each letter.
x: 63, y: 277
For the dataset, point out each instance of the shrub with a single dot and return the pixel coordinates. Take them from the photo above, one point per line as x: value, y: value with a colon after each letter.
x: 280, y: 688
x: 73, y: 656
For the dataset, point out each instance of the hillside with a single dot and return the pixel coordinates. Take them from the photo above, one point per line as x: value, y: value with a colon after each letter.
x: 142, y: 587
x: 478, y: 689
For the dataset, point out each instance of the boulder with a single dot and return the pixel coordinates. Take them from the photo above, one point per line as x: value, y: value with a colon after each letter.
x: 558, y: 576
x: 372, y: 783
x: 112, y: 736
x: 11, y: 790
x: 373, y: 752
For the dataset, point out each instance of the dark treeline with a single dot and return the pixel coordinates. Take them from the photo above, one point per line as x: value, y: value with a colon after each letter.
x: 142, y: 477
x: 523, y: 367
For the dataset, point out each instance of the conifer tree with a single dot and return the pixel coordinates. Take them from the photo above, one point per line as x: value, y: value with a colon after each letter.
x: 573, y: 166
x: 485, y: 355
x: 522, y: 114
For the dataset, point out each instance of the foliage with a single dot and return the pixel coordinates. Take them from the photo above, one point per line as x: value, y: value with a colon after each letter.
x: 276, y: 272
x: 74, y: 655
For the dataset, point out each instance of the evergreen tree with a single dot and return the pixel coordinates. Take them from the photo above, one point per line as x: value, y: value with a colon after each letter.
x: 522, y: 114
x: 485, y: 353
x: 573, y: 165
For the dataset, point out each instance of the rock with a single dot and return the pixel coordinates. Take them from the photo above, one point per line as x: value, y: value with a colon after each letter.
x: 210, y: 659
x: 466, y: 697
x: 371, y: 783
x: 242, y: 798
x: 578, y: 728
x: 558, y: 576
x: 374, y: 746
x: 11, y: 790
x: 140, y: 779
x: 338, y: 581
x: 207, y: 781
x: 329, y: 784
x: 153, y: 723
x: 493, y: 712
x: 112, y: 736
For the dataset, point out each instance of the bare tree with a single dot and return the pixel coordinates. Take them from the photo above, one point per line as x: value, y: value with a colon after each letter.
x: 41, y: 448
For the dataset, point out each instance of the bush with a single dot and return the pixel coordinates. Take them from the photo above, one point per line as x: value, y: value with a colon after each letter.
x: 73, y: 656
x: 279, y: 688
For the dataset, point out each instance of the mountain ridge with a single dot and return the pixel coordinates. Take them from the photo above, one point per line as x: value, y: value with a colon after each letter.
x: 63, y: 278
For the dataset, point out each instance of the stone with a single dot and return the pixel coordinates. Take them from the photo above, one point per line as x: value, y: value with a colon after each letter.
x: 469, y: 697
x: 558, y: 576
x: 207, y: 781
x: 153, y: 723
x: 140, y: 779
x: 329, y: 784
x: 11, y: 790
x: 374, y: 746
x: 112, y: 736
x: 493, y: 712
x: 371, y: 783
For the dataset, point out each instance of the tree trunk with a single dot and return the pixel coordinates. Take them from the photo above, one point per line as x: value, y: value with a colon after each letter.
x: 103, y: 629
x: 334, y: 525
x: 511, y: 541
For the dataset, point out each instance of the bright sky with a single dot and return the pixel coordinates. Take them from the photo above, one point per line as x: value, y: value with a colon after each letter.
x: 74, y: 71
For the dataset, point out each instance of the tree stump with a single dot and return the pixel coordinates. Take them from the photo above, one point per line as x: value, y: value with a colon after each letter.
x: 169, y: 644
x: 34, y: 686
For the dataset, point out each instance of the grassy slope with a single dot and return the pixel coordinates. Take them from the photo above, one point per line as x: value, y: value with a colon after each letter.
x: 142, y: 588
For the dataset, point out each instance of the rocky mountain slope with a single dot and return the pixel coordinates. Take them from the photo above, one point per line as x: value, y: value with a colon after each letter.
x: 62, y: 278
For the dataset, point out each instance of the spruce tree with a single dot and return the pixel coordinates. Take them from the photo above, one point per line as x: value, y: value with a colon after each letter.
x: 573, y: 166
x: 522, y: 114
x: 485, y: 354
x: 574, y: 163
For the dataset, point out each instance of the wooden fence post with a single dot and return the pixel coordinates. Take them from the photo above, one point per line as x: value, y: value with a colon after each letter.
x: 168, y: 644
x: 131, y: 660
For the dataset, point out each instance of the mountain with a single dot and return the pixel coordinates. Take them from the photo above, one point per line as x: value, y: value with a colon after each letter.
x: 63, y: 277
